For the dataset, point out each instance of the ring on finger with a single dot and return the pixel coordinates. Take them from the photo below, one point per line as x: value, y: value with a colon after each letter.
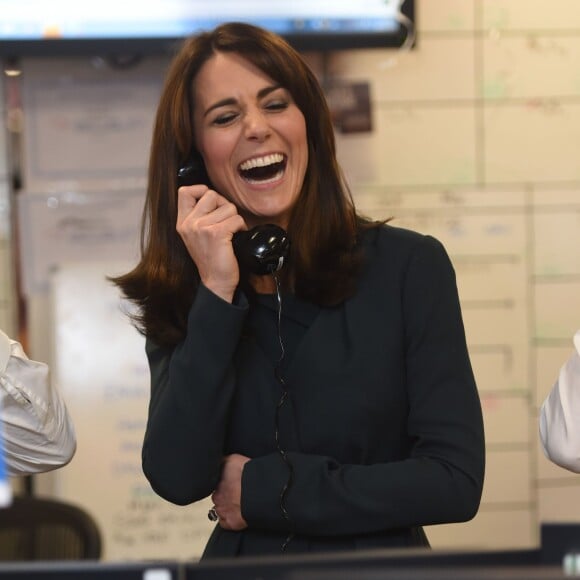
x: 212, y: 514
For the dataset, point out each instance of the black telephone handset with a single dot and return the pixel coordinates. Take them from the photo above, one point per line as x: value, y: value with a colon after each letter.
x: 261, y: 250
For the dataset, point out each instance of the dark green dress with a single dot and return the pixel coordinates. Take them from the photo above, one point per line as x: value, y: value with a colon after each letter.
x: 382, y: 424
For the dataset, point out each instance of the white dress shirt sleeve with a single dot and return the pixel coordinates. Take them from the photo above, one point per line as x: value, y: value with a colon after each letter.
x: 560, y: 415
x: 38, y: 432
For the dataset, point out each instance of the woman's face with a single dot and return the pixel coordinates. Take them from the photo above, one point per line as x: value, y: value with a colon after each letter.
x: 252, y: 137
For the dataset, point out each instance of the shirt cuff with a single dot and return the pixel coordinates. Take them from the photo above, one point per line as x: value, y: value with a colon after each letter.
x: 5, y: 350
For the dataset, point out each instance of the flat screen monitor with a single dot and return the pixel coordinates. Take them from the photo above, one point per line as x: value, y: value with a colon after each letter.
x: 67, y: 28
x: 90, y: 570
x: 372, y: 564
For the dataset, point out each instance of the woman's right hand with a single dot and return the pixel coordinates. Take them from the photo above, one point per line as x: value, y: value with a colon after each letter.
x: 206, y: 222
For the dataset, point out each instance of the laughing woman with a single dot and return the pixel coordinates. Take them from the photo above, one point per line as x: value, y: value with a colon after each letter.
x: 328, y: 405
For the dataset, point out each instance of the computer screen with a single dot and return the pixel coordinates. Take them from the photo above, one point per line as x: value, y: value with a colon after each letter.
x: 64, y: 27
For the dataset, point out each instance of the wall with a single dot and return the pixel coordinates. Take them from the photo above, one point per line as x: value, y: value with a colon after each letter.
x: 475, y: 140
x: 7, y: 296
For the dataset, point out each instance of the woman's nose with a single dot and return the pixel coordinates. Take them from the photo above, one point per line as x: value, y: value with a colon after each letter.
x: 256, y: 125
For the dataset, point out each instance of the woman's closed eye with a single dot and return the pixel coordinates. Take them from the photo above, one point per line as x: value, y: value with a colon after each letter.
x: 278, y: 105
x: 225, y: 118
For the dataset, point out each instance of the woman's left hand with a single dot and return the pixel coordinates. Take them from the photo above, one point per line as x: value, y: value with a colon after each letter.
x: 227, y: 497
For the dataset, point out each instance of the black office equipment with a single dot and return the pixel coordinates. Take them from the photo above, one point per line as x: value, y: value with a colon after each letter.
x: 542, y: 563
x: 559, y: 539
x: 369, y: 565
x: 92, y: 571
x: 33, y: 528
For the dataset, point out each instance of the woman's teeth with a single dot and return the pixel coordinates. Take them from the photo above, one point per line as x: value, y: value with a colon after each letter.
x: 262, y: 161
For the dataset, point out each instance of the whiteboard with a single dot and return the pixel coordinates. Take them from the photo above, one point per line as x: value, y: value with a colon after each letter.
x: 87, y: 125
x: 75, y: 226
x: 99, y: 363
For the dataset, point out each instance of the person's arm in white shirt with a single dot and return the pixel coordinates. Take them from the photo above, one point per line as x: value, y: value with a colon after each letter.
x: 560, y: 415
x: 38, y: 432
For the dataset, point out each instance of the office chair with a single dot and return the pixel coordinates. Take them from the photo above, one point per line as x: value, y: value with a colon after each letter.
x: 33, y: 528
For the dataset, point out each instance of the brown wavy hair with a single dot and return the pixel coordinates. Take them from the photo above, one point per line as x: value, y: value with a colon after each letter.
x: 323, y: 226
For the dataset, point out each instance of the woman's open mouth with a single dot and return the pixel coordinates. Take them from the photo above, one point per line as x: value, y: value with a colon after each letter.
x: 262, y: 170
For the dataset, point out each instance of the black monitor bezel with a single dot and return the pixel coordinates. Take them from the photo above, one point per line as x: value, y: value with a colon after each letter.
x: 153, y: 46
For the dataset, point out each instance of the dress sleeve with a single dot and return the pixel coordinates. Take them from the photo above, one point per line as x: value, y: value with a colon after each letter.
x: 560, y: 415
x: 191, y: 391
x: 441, y: 480
x: 38, y: 432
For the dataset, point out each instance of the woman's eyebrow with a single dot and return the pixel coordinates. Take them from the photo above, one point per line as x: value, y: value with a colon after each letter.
x: 222, y: 103
x: 231, y: 101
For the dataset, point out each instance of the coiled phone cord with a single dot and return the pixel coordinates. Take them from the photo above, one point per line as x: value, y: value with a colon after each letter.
x: 283, y: 399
